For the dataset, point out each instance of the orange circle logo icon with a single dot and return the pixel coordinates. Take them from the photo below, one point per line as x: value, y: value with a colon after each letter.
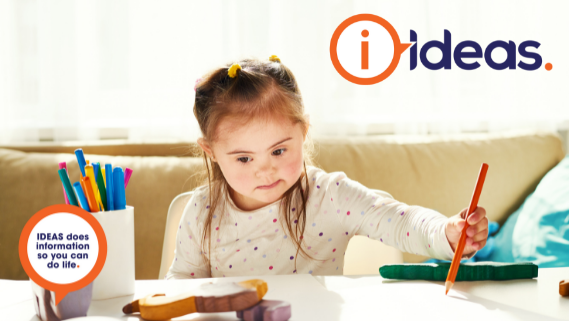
x: 365, y: 49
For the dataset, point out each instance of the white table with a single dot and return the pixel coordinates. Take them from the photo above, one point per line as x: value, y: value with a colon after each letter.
x: 350, y: 298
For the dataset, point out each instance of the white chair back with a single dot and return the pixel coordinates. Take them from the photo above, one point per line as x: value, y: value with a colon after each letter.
x: 172, y: 221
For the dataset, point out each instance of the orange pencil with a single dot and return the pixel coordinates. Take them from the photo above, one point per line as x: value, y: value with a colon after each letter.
x: 86, y: 185
x: 451, y: 277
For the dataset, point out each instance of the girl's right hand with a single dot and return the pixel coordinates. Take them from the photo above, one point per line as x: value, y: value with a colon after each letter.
x: 476, y: 234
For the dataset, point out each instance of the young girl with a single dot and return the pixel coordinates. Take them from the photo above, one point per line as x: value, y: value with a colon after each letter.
x: 265, y: 210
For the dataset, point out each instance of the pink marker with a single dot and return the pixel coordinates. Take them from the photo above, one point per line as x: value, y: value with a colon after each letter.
x: 63, y: 165
x: 127, y: 173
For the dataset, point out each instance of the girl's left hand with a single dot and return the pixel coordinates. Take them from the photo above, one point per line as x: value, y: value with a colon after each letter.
x: 476, y: 233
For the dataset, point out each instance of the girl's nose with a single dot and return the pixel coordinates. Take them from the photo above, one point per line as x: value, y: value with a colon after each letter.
x: 266, y: 168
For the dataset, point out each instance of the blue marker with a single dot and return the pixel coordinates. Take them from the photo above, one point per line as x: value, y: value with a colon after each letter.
x: 81, y: 196
x: 118, y: 189
x: 96, y: 168
x: 81, y: 160
x: 109, y: 177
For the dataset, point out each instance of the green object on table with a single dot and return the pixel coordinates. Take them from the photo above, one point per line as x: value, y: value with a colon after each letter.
x: 479, y: 271
x: 102, y: 189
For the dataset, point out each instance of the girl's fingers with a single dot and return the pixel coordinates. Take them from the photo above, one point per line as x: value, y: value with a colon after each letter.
x: 475, y: 245
x: 477, y: 228
x: 477, y: 232
x: 463, y: 213
x: 460, y: 225
x: 480, y: 244
x: 476, y: 216
x: 482, y: 235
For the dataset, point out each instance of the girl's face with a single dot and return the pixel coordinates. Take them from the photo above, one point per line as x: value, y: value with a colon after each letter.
x: 260, y: 161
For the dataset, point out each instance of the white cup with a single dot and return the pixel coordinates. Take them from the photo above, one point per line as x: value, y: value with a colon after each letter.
x: 117, y: 276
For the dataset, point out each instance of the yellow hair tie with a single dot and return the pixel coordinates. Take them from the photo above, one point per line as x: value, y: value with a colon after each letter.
x: 274, y: 58
x: 232, y: 72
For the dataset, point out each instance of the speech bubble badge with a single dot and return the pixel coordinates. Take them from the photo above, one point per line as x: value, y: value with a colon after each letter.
x: 353, y: 41
x: 62, y: 248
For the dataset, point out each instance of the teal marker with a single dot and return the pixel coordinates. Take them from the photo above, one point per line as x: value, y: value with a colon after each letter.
x: 67, y: 185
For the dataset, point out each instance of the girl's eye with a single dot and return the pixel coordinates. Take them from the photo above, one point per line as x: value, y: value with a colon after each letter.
x: 243, y: 160
x: 279, y: 152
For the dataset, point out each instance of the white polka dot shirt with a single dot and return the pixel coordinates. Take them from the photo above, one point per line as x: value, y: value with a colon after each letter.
x: 255, y: 242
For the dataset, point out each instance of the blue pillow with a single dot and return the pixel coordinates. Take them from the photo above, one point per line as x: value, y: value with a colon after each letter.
x: 539, y: 230
x: 502, y: 251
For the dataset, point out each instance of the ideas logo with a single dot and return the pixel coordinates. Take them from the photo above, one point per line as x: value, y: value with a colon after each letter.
x: 365, y: 49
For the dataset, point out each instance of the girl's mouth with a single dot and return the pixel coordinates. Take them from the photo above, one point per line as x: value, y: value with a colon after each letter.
x: 269, y: 186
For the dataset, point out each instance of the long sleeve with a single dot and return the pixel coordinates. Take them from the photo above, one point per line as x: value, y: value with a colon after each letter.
x: 375, y: 214
x: 189, y: 262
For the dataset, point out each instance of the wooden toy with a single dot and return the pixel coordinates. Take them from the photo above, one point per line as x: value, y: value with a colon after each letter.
x: 479, y: 271
x: 564, y: 287
x: 266, y: 310
x: 219, y: 297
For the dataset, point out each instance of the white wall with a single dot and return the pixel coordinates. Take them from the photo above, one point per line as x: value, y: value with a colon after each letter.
x: 119, y: 68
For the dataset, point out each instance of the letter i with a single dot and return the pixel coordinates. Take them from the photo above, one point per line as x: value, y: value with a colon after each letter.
x: 365, y: 50
x: 413, y: 52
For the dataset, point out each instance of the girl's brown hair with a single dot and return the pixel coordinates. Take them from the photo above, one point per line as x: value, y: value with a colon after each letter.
x: 262, y: 90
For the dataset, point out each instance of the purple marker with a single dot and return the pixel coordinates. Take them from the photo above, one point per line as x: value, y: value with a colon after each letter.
x: 63, y: 165
x: 127, y: 173
x: 266, y: 310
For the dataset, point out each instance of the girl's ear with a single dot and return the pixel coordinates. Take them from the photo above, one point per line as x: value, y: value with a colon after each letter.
x: 206, y: 148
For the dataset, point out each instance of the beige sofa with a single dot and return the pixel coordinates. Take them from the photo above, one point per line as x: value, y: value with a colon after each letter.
x: 431, y: 171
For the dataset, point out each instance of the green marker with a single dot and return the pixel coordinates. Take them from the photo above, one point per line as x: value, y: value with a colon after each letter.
x: 101, y: 185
